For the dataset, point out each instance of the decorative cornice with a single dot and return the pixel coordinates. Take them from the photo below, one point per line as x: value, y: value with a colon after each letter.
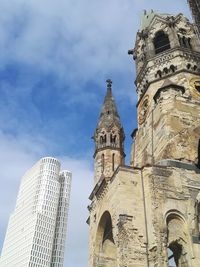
x: 167, y: 52
x: 163, y: 78
x: 99, y: 187
x: 108, y: 147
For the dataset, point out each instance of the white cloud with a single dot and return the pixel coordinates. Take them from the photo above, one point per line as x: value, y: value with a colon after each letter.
x: 78, y: 41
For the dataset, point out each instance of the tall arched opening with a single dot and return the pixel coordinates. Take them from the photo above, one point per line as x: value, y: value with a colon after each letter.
x: 105, y: 250
x: 177, y: 241
x: 161, y: 42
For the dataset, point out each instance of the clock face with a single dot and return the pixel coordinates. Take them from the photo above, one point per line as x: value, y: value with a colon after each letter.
x: 143, y: 110
x: 195, y: 85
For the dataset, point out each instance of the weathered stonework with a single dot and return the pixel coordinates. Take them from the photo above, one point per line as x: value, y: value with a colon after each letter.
x: 148, y: 214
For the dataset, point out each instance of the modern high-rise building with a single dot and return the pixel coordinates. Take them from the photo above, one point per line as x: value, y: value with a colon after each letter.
x: 37, y: 228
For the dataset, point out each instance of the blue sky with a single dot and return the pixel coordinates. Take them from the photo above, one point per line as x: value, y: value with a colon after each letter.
x: 54, y: 59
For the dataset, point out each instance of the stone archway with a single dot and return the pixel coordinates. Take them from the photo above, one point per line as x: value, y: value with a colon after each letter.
x: 178, y: 240
x: 105, y: 248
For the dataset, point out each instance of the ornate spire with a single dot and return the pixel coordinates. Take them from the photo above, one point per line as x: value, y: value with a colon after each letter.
x: 109, y: 115
x: 109, y: 138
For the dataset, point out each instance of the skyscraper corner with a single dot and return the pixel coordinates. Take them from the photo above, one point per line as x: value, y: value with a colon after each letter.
x: 37, y: 228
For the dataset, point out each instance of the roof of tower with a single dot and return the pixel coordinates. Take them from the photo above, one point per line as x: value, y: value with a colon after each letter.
x: 109, y: 114
x: 148, y: 16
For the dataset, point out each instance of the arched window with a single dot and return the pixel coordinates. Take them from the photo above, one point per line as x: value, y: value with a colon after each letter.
x: 101, y: 140
x: 178, y: 241
x: 161, y: 42
x: 180, y: 40
x: 113, y: 162
x: 159, y: 73
x: 102, y: 162
x: 176, y: 250
x: 165, y: 70
x: 105, y: 248
x: 198, y: 153
x: 198, y: 213
x: 113, y: 139
x: 171, y: 259
x: 189, y: 43
x: 108, y: 234
x: 188, y: 66
x: 185, y: 41
x: 105, y: 139
x: 195, y: 67
x: 172, y: 68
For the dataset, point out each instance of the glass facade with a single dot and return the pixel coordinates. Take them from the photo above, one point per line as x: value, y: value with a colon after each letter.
x: 37, y: 228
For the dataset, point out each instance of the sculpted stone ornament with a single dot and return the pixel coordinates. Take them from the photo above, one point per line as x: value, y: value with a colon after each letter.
x: 143, y: 110
x: 171, y: 22
x: 195, y: 86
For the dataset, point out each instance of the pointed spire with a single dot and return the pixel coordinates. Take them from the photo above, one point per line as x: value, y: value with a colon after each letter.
x: 109, y: 114
x: 108, y: 138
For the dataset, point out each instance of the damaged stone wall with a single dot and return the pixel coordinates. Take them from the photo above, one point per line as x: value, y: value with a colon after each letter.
x: 147, y: 207
x: 171, y: 128
x: 139, y: 213
x: 123, y: 201
x: 170, y: 207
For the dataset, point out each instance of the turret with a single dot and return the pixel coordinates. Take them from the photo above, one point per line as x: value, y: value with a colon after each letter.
x: 109, y: 139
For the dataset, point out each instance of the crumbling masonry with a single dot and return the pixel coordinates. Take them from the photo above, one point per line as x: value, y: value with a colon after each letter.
x: 147, y: 214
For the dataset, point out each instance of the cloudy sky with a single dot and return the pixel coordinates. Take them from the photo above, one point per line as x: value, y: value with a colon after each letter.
x: 54, y: 59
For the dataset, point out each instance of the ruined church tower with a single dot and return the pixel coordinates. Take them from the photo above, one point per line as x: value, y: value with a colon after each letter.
x: 147, y: 214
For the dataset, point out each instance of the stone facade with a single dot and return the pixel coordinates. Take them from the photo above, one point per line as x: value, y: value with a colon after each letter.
x: 195, y: 9
x: 148, y: 214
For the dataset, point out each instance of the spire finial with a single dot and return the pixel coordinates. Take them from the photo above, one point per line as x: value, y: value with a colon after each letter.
x: 109, y: 83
